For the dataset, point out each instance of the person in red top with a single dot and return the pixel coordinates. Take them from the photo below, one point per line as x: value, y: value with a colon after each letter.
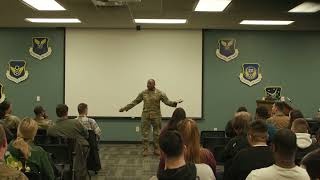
x: 194, y: 153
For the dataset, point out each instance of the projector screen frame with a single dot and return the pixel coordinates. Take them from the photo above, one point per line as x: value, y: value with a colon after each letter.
x: 136, y: 117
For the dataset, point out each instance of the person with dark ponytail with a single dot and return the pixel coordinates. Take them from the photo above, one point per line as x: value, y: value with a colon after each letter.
x: 9, y: 121
x: 178, y: 115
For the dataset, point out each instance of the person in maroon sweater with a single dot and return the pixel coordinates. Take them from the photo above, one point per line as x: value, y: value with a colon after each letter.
x: 194, y: 153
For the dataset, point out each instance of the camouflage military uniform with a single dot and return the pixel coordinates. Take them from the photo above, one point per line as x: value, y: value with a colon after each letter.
x: 151, y: 114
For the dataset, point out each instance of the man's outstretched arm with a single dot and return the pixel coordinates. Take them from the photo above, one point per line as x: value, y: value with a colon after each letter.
x: 133, y: 103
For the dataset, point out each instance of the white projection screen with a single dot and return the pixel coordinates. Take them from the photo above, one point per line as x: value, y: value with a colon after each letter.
x: 107, y: 69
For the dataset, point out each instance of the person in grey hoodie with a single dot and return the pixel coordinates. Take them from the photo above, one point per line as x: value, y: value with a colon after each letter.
x: 176, y: 168
x: 304, y: 142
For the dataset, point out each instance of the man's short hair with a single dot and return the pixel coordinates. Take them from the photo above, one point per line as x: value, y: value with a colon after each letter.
x: 171, y: 144
x: 300, y: 125
x: 258, y: 130
x: 38, y: 110
x: 62, y: 110
x: 311, y: 162
x: 242, y: 109
x: 241, y: 122
x: 280, y: 106
x: 82, y: 108
x: 2, y: 135
x: 262, y: 112
x: 4, y: 106
x: 285, y: 143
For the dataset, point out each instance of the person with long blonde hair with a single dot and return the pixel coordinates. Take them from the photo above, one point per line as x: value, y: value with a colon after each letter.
x: 194, y: 152
x: 36, y: 158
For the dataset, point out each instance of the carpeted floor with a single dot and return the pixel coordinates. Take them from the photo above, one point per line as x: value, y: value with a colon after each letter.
x: 125, y: 162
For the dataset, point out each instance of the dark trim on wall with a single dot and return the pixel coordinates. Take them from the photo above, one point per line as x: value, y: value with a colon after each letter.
x: 202, y: 77
x: 64, y: 66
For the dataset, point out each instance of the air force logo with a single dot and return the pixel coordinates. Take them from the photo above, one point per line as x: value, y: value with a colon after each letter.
x: 250, y: 74
x: 2, y: 95
x: 17, y: 71
x: 227, y: 49
x: 40, y: 48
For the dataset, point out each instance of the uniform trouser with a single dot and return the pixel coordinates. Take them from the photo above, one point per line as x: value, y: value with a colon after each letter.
x: 147, y: 122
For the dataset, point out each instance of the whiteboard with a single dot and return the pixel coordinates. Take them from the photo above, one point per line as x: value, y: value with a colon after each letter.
x: 107, y: 69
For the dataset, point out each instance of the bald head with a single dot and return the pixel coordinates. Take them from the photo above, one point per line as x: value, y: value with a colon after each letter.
x: 151, y: 84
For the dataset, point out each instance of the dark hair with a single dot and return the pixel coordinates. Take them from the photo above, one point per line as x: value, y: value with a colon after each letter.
x: 241, y: 122
x: 280, y: 106
x: 258, y: 130
x: 4, y: 106
x: 2, y: 135
x: 38, y: 110
x: 262, y: 112
x: 312, y: 163
x: 294, y: 114
x: 285, y: 143
x: 178, y: 115
x: 242, y: 109
x: 300, y: 125
x: 82, y: 108
x: 171, y: 144
x: 62, y: 110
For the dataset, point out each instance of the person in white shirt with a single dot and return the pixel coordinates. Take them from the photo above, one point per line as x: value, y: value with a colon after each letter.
x: 87, y: 122
x: 176, y: 168
x: 284, y: 148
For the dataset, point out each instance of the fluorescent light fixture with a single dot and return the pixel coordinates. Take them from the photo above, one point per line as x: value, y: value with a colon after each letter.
x: 212, y: 5
x: 44, y: 5
x: 265, y: 22
x: 160, y: 21
x: 306, y: 7
x: 53, y: 20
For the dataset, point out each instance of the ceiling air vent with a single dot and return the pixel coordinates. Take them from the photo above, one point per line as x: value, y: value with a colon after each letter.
x: 113, y: 3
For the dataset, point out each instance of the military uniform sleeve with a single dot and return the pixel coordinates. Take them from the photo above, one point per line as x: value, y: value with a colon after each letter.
x: 166, y: 101
x: 134, y: 102
x: 95, y: 127
x: 83, y: 130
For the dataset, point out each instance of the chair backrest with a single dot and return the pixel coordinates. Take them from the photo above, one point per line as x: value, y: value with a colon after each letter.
x: 62, y: 149
x: 41, y: 132
x: 211, y: 134
x: 34, y: 173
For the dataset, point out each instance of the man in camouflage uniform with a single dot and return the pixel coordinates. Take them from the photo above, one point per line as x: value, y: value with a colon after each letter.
x: 151, y: 114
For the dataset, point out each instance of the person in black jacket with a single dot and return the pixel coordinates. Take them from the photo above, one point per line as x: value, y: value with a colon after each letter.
x: 259, y: 155
x: 240, y: 125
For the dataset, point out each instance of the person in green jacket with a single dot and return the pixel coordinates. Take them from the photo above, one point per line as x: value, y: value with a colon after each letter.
x: 36, y: 157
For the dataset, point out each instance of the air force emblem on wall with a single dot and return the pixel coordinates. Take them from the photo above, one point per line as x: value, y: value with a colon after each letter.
x: 2, y: 95
x: 40, y: 48
x: 250, y: 74
x: 227, y: 49
x: 17, y: 71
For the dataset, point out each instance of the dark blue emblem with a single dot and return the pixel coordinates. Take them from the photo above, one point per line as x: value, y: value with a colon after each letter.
x: 17, y: 71
x: 40, y: 48
x: 250, y: 74
x: 227, y: 49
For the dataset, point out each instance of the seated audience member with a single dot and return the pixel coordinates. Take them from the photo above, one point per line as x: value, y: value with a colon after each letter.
x: 294, y: 114
x: 259, y: 155
x: 263, y: 114
x: 69, y: 128
x: 194, y: 153
x: 311, y: 162
x: 240, y: 125
x: 176, y: 167
x: 284, y: 148
x: 42, y: 118
x: 6, y: 172
x: 72, y: 128
x: 10, y: 121
x: 229, y: 129
x: 279, y: 120
x: 304, y: 142
x: 87, y: 122
x: 178, y: 115
x: 36, y: 158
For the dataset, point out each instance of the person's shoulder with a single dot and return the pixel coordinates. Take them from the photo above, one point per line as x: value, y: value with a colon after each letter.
x: 262, y: 173
x: 7, y: 172
x: 204, y: 172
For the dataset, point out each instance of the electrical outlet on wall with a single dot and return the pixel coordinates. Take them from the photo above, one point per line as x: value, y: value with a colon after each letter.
x: 137, y: 128
x: 215, y: 129
x: 38, y: 98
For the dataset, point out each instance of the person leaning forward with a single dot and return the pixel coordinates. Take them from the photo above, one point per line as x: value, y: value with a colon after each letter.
x: 151, y: 114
